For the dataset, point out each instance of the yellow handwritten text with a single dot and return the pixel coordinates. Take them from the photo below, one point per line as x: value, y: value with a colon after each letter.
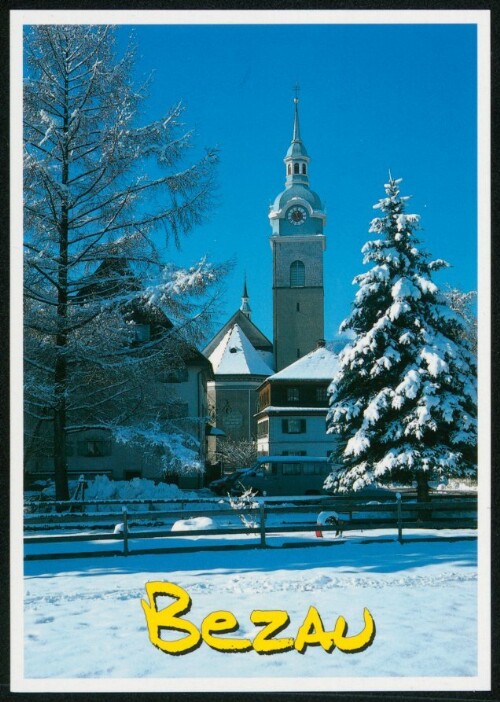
x: 216, y: 625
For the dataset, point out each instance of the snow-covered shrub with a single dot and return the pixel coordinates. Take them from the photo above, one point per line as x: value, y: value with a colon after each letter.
x: 246, y: 501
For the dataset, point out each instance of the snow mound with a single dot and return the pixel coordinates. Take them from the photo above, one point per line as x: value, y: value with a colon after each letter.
x: 194, y: 524
x: 102, y: 488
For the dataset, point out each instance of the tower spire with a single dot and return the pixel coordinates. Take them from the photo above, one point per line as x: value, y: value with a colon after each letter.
x: 296, y: 159
x: 296, y: 127
x: 245, y: 307
x: 297, y: 219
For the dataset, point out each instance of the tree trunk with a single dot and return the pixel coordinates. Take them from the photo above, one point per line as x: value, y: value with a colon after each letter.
x: 61, y: 366
x: 60, y: 461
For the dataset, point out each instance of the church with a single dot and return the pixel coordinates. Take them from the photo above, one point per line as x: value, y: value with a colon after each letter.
x: 244, y: 361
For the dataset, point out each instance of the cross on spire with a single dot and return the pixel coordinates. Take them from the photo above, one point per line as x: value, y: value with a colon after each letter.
x: 296, y: 131
x: 296, y: 89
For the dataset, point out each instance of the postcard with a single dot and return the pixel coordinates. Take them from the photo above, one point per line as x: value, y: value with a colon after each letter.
x: 250, y: 350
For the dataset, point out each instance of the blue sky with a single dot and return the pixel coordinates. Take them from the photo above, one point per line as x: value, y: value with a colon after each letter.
x: 372, y: 98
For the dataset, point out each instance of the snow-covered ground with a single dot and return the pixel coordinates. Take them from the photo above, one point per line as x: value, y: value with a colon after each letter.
x: 85, y: 627
x: 84, y: 619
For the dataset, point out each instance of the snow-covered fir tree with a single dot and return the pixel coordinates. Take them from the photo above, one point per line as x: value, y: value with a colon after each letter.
x: 99, y: 183
x: 404, y: 399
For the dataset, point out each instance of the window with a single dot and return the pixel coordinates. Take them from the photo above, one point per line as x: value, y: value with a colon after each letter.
x: 293, y: 426
x: 296, y: 168
x: 263, y: 428
x: 297, y: 274
x: 289, y: 169
x: 264, y: 398
x: 94, y: 448
x: 292, y: 394
x: 303, y: 168
x: 298, y: 306
x: 291, y: 468
x: 294, y: 453
x: 313, y: 469
x: 298, y: 353
x: 321, y: 394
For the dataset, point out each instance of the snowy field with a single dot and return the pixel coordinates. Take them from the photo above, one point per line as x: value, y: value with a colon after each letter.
x: 84, y: 619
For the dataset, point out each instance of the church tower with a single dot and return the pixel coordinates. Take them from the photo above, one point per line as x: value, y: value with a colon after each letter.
x: 297, y: 241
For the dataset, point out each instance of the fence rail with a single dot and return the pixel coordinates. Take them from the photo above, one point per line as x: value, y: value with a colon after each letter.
x: 443, y: 512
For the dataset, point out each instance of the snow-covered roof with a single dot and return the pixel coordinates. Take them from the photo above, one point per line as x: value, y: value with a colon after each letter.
x: 320, y: 364
x: 252, y: 332
x: 235, y: 355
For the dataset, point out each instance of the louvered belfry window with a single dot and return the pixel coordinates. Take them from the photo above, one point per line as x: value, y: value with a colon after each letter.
x: 297, y: 274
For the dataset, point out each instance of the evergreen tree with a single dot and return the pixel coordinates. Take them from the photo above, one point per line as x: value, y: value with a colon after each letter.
x: 404, y: 398
x: 98, y: 184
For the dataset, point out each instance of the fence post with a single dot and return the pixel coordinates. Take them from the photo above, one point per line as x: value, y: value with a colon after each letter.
x: 84, y: 485
x: 400, y: 518
x: 262, y: 525
x: 125, y: 531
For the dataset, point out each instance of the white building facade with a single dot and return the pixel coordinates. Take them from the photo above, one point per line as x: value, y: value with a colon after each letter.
x: 293, y: 404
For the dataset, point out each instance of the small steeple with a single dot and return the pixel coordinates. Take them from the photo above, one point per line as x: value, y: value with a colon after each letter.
x: 296, y: 159
x: 296, y: 127
x: 245, y: 307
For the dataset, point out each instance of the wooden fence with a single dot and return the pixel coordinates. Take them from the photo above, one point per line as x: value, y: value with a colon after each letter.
x: 396, y: 515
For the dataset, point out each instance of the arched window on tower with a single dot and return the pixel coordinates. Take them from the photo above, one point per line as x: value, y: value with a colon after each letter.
x: 297, y: 275
x: 296, y: 167
x: 303, y: 169
x: 289, y: 169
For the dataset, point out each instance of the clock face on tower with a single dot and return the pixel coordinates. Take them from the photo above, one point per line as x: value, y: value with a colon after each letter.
x: 297, y: 215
